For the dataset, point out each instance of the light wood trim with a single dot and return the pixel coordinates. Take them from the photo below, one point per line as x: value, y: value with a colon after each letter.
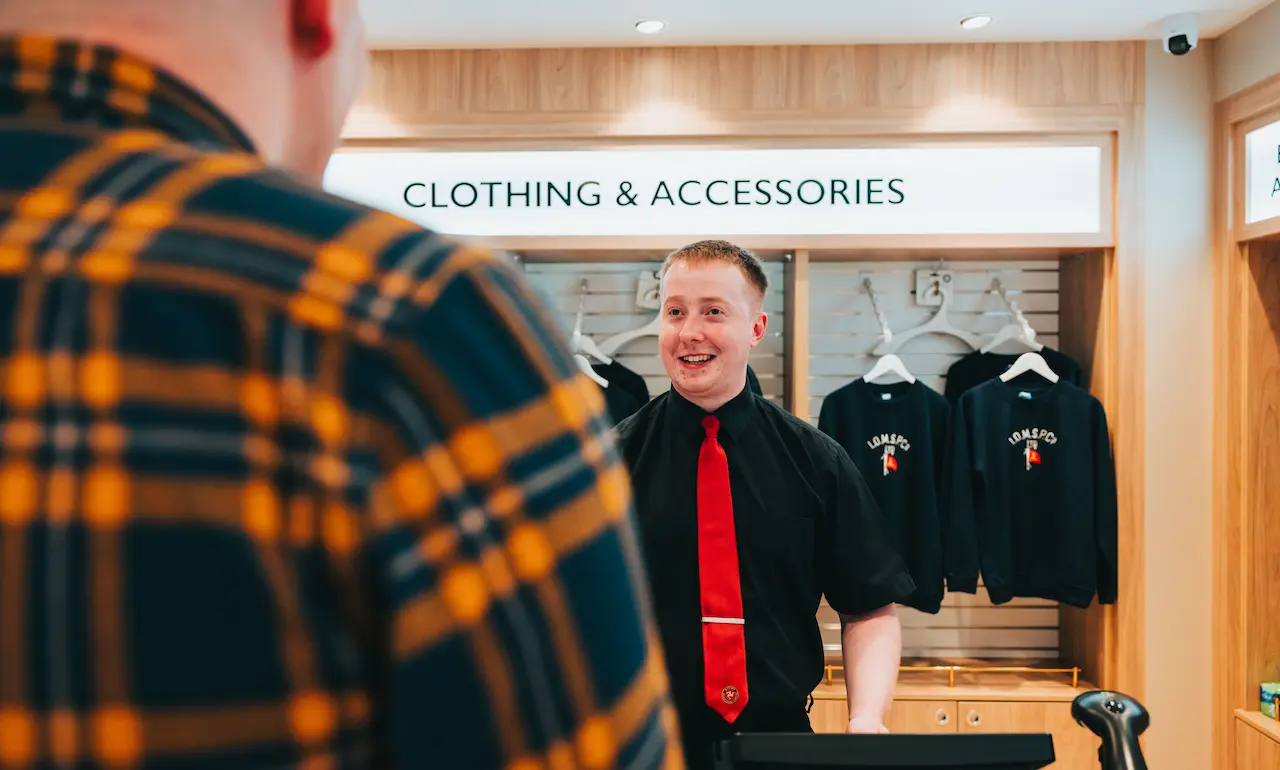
x: 1240, y: 173
x: 1269, y: 727
x: 781, y: 140
x: 797, y: 337
x: 540, y: 131
x: 932, y: 243
x: 1124, y: 305
x: 1230, y: 465
x: 1261, y: 230
x: 1255, y: 99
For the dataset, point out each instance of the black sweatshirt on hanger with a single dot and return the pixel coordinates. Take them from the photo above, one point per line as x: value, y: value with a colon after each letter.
x: 1032, y: 494
x: 977, y: 367
x: 617, y: 374
x: 896, y: 434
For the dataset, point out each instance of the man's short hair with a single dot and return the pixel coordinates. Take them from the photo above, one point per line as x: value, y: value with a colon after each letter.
x: 702, y: 252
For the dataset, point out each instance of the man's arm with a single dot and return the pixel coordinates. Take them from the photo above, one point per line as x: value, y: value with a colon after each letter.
x: 871, y: 645
x: 863, y: 576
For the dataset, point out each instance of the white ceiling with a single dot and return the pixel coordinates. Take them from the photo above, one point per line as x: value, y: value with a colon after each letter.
x: 512, y: 23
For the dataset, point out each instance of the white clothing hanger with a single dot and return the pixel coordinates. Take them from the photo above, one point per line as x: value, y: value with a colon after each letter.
x: 938, y: 324
x: 648, y: 295
x: 888, y: 364
x: 585, y: 367
x: 618, y: 341
x: 1017, y: 330
x: 1030, y: 362
x: 581, y: 342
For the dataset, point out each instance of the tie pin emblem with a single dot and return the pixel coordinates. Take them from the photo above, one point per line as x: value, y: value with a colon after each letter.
x: 729, y: 694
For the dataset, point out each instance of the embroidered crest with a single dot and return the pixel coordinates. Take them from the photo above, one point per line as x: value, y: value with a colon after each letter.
x: 729, y: 694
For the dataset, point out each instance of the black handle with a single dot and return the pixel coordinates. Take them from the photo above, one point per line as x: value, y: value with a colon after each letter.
x: 1118, y: 720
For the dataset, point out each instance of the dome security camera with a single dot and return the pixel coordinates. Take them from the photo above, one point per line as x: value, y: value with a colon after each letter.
x: 1181, y: 33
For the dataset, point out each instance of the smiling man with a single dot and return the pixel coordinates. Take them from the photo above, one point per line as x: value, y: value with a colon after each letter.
x: 749, y: 515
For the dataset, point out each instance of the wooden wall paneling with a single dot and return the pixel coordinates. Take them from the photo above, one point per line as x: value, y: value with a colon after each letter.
x: 1123, y: 397
x: 1262, y: 531
x: 1086, y: 331
x: 744, y: 91
x: 1245, y: 570
x: 796, y: 355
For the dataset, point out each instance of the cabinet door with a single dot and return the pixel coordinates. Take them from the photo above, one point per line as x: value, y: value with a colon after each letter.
x: 829, y: 716
x: 1074, y: 746
x: 922, y: 716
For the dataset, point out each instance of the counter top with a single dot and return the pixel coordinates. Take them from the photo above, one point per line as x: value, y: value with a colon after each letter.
x: 914, y: 685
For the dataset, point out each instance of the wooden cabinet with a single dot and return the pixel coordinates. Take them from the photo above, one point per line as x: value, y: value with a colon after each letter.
x: 922, y: 716
x: 906, y: 716
x: 1074, y: 746
x: 1017, y: 708
x: 1257, y: 741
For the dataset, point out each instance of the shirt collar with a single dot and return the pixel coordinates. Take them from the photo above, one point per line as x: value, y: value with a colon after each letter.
x: 47, y: 78
x: 686, y: 416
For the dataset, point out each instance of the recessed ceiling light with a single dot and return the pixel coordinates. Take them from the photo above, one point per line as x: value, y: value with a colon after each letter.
x: 649, y: 26
x: 975, y: 22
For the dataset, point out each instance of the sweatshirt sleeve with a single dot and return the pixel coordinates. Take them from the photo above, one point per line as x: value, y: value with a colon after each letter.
x: 1106, y: 523
x: 960, y: 541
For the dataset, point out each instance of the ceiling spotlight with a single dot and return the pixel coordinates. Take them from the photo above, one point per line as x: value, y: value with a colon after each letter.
x: 649, y: 26
x: 975, y: 22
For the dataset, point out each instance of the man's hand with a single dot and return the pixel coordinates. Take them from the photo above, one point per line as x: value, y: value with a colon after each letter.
x: 865, y: 726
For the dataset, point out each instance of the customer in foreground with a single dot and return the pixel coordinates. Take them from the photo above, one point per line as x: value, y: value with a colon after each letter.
x: 748, y: 516
x: 284, y: 481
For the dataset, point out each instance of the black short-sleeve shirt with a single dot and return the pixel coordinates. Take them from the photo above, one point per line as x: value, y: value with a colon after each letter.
x: 806, y: 525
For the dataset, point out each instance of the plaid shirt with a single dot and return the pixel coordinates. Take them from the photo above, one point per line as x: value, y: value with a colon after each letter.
x: 285, y: 481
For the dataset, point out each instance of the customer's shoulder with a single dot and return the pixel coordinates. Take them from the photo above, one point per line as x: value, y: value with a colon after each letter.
x: 233, y: 221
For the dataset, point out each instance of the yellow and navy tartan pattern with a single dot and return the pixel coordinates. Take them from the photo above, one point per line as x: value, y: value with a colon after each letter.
x: 284, y: 481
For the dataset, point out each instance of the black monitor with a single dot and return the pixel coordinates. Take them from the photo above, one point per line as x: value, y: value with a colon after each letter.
x: 1022, y: 751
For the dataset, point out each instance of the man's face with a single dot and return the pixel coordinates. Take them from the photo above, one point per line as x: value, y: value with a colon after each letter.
x: 711, y: 320
x: 325, y: 90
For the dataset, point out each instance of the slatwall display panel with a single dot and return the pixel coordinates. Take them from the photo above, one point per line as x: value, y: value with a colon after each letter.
x: 968, y: 627
x: 843, y: 332
x: 844, y: 329
x: 610, y: 308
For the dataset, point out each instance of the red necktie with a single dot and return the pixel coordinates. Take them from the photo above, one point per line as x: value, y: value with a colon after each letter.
x: 724, y: 650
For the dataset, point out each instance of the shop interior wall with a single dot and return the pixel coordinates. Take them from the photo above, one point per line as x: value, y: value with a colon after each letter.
x: 580, y: 98
x: 1178, y: 393
x: 1246, y: 54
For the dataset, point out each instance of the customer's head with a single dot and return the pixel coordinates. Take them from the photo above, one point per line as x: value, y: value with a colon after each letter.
x: 287, y: 71
x: 713, y: 315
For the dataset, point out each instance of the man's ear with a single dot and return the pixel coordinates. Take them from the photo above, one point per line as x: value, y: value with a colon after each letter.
x: 758, y: 328
x: 311, y: 24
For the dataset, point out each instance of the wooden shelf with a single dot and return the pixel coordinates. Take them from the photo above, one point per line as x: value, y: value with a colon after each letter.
x: 1263, y: 724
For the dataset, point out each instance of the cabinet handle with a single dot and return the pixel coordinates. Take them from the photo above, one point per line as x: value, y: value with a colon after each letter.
x: 942, y: 716
x: 974, y: 718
